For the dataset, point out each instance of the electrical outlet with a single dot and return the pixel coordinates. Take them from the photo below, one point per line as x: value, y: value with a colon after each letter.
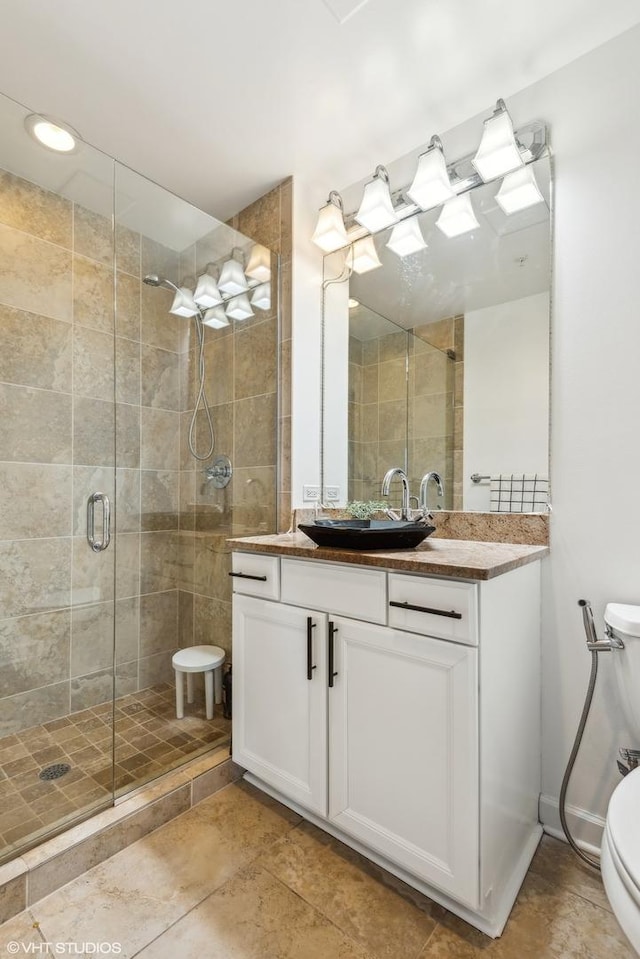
x: 333, y: 493
x: 310, y: 493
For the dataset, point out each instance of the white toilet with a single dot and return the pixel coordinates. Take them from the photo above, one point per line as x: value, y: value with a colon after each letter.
x: 620, y: 853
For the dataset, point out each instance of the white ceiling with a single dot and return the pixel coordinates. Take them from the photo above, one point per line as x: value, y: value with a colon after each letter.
x: 219, y: 101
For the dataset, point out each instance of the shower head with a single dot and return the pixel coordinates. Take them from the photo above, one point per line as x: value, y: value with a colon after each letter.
x: 152, y: 279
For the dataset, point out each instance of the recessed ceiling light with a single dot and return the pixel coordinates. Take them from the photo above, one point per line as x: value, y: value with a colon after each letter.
x: 52, y: 134
x: 353, y: 303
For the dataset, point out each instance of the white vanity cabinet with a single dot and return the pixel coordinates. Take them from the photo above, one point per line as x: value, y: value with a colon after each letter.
x: 400, y: 713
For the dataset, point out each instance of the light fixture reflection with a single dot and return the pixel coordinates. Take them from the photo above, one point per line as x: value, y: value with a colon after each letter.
x: 330, y: 233
x: 353, y: 303
x: 376, y: 210
x: 184, y: 303
x: 431, y: 185
x: 457, y: 216
x: 239, y: 308
x: 363, y: 256
x: 52, y: 134
x: 232, y: 279
x: 207, y: 293
x: 498, y: 152
x: 518, y: 191
x: 406, y: 238
x: 262, y: 296
x: 216, y: 318
x: 259, y: 265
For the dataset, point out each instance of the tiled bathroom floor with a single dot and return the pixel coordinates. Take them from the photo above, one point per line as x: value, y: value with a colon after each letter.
x: 241, y: 877
x: 149, y: 740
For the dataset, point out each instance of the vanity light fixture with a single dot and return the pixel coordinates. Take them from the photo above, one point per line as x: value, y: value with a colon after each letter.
x: 232, y: 279
x: 406, y: 238
x: 259, y: 265
x: 330, y: 233
x: 518, y: 191
x: 376, y: 209
x: 207, y: 293
x: 262, y: 296
x: 457, y: 216
x: 239, y: 308
x: 215, y: 318
x: 52, y: 134
x: 498, y: 152
x: 363, y: 257
x: 431, y: 185
x: 184, y: 303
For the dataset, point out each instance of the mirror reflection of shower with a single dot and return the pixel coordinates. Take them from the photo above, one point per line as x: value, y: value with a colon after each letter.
x: 184, y: 305
x: 213, y: 302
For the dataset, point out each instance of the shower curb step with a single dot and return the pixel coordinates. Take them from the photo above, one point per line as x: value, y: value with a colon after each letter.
x: 40, y: 871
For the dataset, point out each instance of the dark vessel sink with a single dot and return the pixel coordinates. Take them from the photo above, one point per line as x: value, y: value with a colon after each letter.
x: 367, y: 534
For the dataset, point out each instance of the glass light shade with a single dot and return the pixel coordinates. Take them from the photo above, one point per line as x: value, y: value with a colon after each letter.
x: 431, y: 185
x: 364, y: 257
x: 262, y: 296
x: 406, y: 238
x: 330, y: 233
x: 259, y: 265
x: 215, y: 318
x: 207, y: 293
x: 54, y: 136
x: 376, y: 210
x: 184, y: 303
x: 239, y: 308
x: 498, y: 152
x: 457, y: 216
x: 518, y: 191
x: 232, y: 279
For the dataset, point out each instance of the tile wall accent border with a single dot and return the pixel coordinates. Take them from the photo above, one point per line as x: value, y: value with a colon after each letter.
x: 57, y: 861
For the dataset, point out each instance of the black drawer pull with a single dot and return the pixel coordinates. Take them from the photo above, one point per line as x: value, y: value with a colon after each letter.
x: 260, y: 579
x: 450, y: 614
x: 332, y: 631
x: 310, y: 628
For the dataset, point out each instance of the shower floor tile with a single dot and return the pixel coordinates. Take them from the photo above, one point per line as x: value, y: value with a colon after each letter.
x: 148, y: 740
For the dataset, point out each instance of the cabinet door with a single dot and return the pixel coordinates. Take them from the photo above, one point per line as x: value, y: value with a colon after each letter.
x: 403, y: 748
x: 280, y: 698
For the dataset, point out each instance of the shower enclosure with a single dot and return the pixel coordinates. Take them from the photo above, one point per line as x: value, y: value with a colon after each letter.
x: 99, y: 383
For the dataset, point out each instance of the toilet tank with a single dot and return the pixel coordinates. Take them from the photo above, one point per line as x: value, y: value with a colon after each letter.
x: 624, y: 621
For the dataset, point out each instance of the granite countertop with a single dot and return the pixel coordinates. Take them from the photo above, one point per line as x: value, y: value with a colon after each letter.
x: 464, y: 559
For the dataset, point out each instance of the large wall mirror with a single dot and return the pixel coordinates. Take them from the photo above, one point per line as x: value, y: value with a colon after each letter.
x: 440, y: 361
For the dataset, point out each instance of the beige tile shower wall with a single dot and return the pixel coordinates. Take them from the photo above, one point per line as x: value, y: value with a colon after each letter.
x: 60, y: 437
x: 243, y: 366
x: 432, y: 420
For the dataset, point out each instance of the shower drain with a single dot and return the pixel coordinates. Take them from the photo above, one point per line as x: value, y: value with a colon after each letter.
x: 55, y: 771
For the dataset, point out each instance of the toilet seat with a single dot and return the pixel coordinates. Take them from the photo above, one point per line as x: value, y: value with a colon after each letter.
x: 620, y: 859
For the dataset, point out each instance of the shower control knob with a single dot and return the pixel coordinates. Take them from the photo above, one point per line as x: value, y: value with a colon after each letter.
x: 220, y: 472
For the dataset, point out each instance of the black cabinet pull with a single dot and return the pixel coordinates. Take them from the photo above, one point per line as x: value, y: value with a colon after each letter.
x: 260, y: 579
x: 450, y: 614
x: 310, y: 628
x: 332, y: 631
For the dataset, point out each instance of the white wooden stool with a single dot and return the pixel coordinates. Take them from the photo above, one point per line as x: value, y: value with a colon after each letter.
x: 199, y: 659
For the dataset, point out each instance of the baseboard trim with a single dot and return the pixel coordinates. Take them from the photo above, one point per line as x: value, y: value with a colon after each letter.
x: 586, y: 827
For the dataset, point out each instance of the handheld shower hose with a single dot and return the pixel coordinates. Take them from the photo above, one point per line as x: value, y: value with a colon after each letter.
x: 152, y: 279
x: 595, y: 646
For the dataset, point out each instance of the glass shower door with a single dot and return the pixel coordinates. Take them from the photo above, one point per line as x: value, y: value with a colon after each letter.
x: 57, y: 449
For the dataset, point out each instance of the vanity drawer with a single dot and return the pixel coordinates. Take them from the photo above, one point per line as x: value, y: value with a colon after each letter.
x: 339, y: 590
x: 255, y: 574
x: 447, y: 610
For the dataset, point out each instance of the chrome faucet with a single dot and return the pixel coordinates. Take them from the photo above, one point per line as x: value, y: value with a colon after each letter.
x: 424, y: 488
x: 386, y: 485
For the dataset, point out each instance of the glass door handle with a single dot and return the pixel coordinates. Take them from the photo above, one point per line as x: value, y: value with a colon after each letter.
x: 98, y: 545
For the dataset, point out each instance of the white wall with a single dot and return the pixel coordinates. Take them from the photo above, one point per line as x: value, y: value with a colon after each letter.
x: 592, y: 107
x: 506, y: 393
